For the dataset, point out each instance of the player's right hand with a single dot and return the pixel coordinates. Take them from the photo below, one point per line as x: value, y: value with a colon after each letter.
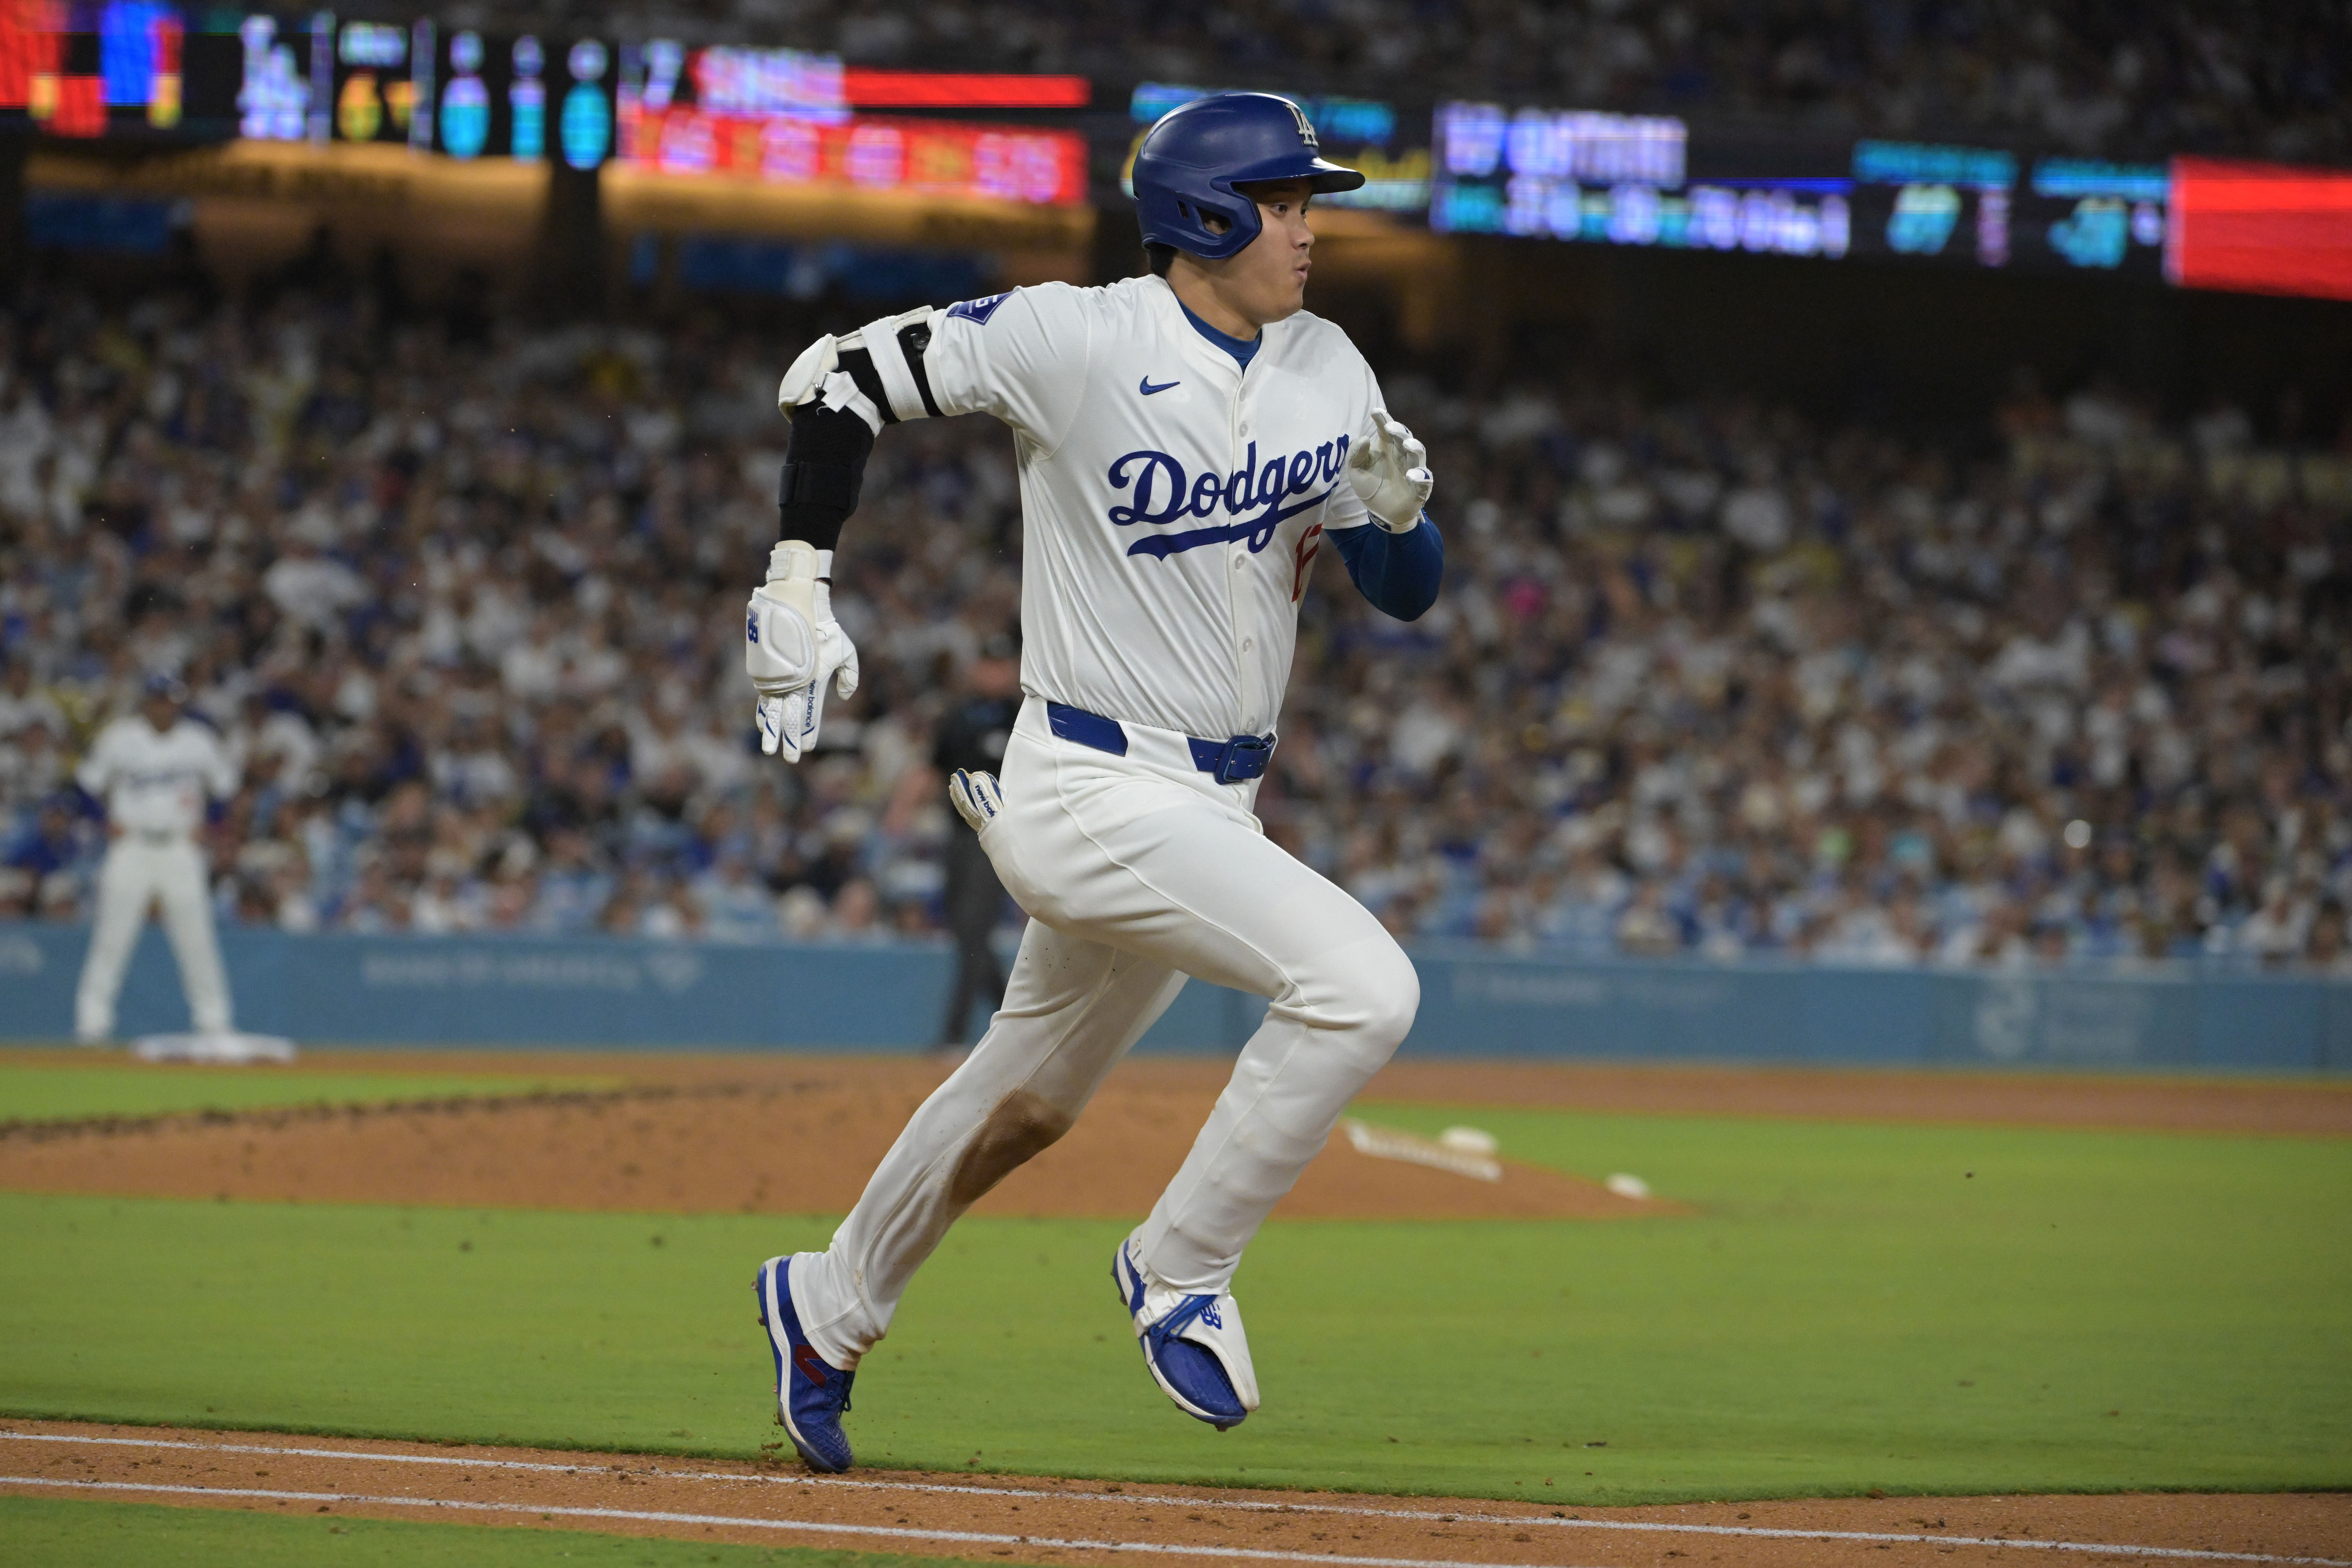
x: 791, y: 648
x: 976, y: 798
x: 1391, y: 473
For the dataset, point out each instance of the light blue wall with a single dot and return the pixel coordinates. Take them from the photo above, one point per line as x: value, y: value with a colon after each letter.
x: 1475, y: 1002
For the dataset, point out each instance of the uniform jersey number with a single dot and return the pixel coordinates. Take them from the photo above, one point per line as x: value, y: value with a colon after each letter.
x: 1310, y: 544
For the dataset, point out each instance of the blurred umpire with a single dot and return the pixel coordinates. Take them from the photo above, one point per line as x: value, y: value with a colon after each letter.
x: 971, y: 735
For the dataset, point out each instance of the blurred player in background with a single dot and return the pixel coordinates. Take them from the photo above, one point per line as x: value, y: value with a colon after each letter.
x: 154, y: 769
x: 1186, y: 441
x: 972, y: 737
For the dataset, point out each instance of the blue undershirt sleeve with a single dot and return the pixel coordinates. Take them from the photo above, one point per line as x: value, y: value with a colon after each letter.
x: 1399, y: 573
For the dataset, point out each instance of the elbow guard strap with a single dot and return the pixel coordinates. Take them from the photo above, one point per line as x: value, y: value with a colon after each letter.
x: 886, y: 363
x: 859, y: 366
x: 914, y: 341
x: 825, y: 470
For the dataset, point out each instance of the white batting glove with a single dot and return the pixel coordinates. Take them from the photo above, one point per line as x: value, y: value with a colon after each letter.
x: 976, y: 798
x: 791, y: 648
x: 1391, y: 473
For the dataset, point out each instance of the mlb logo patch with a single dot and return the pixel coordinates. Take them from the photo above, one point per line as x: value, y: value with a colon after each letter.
x: 977, y: 312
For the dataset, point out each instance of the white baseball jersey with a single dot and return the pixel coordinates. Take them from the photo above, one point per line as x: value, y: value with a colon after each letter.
x: 155, y: 782
x: 1173, y: 501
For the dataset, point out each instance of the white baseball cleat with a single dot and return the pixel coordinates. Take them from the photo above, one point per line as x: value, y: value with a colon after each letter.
x: 1193, y: 1345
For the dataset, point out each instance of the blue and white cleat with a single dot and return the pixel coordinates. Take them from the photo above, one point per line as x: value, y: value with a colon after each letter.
x: 810, y: 1396
x: 1193, y: 1345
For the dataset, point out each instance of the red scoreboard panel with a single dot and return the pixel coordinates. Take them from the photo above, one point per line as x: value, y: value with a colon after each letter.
x: 864, y: 88
x: 2263, y: 228
x: 933, y: 157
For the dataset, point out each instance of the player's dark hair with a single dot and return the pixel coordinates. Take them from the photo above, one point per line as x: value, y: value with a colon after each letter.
x: 1159, y: 258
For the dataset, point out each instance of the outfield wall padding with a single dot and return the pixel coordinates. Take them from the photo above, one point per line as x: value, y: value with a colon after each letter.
x: 616, y: 992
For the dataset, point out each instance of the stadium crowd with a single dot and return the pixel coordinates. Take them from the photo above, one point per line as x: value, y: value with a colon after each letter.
x: 2188, y: 76
x: 1705, y: 677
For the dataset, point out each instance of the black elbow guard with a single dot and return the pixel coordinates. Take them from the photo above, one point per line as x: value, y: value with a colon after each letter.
x: 824, y: 468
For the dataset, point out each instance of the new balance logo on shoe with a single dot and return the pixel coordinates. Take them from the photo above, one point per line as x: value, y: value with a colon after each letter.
x: 804, y: 1359
x: 1209, y: 1316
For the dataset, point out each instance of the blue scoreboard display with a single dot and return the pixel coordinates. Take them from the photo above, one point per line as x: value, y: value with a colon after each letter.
x: 1994, y: 208
x: 1654, y: 181
x: 1627, y: 179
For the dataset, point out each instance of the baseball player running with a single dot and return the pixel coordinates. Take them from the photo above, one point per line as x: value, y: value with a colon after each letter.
x: 153, y: 769
x: 1186, y: 440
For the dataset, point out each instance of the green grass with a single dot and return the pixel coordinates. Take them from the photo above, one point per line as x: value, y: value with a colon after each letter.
x: 30, y: 1092
x: 1926, y: 1310
x: 72, y: 1533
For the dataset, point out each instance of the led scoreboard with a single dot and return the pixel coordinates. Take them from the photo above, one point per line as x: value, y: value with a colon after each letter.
x: 781, y: 116
x: 135, y: 68
x: 2262, y: 228
x: 1990, y: 207
x: 1655, y: 181
x: 451, y: 90
x: 156, y: 71
x: 785, y: 117
x: 1624, y: 179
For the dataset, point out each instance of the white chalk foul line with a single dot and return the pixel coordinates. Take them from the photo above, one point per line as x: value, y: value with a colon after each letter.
x: 1758, y: 1531
x: 811, y: 1526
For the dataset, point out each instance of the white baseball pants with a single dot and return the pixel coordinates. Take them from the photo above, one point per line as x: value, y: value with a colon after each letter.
x: 1138, y: 871
x: 140, y: 871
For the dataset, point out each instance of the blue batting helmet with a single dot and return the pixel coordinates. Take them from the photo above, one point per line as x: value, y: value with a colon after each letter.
x: 1190, y: 163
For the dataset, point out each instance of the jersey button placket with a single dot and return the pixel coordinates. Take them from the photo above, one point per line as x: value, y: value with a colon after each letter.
x: 1240, y: 547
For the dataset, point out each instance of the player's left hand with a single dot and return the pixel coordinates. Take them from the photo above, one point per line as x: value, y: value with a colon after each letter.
x: 975, y: 798
x: 1391, y: 473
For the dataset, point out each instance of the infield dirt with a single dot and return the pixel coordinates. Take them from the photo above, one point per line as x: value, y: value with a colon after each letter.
x: 1047, y: 1521
x: 799, y: 1134
x: 752, y: 1135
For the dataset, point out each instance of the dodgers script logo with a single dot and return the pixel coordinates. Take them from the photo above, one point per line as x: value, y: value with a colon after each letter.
x: 1162, y: 496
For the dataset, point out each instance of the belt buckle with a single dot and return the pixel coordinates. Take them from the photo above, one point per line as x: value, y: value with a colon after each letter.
x: 1246, y: 758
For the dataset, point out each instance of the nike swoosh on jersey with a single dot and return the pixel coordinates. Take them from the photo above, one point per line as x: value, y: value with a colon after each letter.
x: 1146, y: 387
x: 1166, y: 544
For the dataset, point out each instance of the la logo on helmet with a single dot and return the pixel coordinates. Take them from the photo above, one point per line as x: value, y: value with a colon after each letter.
x: 1306, y: 128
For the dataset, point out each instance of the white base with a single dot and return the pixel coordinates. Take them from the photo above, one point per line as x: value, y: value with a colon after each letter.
x: 1391, y: 1143
x: 228, y: 1049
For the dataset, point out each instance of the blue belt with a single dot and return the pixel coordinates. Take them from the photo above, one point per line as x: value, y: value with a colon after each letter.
x: 1236, y: 760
